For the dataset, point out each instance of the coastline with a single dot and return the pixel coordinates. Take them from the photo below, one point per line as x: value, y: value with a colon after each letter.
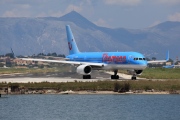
x: 70, y: 92
x: 52, y: 84
x: 114, y: 93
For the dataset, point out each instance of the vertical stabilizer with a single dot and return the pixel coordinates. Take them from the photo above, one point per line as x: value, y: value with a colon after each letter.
x: 73, y: 49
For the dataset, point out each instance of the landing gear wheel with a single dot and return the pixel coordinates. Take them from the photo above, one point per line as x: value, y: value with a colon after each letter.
x: 86, y: 76
x: 133, y: 78
x: 117, y: 76
x: 114, y: 77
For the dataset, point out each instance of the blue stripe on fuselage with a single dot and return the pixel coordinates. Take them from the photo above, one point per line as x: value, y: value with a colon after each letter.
x: 108, y: 57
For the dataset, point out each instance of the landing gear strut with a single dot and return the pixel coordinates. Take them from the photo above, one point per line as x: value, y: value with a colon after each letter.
x: 115, y: 76
x: 86, y: 76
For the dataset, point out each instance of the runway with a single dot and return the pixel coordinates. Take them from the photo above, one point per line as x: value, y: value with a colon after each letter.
x: 59, y: 77
x: 49, y: 79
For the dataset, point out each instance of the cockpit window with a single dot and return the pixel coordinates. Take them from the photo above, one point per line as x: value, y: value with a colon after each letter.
x: 140, y: 58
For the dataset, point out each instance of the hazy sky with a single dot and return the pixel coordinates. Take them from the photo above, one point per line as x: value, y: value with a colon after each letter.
x: 108, y: 13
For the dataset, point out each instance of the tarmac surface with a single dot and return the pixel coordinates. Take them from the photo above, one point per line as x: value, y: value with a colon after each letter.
x: 59, y: 77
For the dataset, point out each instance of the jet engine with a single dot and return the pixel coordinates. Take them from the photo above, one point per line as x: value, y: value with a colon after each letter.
x: 138, y: 72
x: 84, y: 69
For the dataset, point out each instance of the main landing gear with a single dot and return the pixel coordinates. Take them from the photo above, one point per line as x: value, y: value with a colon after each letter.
x: 115, y: 76
x: 134, y: 73
x: 86, y: 76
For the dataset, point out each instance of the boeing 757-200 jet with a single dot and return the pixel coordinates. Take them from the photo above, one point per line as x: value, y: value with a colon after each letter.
x: 134, y: 62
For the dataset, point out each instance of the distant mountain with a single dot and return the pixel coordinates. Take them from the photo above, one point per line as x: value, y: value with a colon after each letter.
x: 29, y: 36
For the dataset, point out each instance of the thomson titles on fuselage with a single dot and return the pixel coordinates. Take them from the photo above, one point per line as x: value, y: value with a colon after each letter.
x: 113, y: 59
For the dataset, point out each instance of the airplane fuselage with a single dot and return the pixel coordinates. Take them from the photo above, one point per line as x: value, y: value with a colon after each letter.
x: 112, y: 60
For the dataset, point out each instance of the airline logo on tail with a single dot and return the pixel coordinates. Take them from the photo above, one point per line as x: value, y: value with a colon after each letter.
x: 70, y: 46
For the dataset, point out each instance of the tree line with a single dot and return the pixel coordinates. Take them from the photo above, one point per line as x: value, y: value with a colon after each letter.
x: 54, y: 54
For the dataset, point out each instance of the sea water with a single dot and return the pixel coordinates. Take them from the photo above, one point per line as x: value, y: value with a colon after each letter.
x: 90, y: 107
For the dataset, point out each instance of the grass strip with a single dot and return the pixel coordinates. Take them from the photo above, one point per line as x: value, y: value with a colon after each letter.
x: 108, y: 85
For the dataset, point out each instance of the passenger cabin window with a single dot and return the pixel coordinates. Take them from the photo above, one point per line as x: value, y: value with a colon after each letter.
x: 139, y: 58
x: 135, y: 58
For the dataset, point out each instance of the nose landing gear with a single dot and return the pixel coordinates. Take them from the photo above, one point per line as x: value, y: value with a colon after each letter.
x: 133, y: 76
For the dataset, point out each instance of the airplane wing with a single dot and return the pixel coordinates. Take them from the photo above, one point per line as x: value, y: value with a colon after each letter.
x: 65, y: 62
x: 157, y: 61
x: 160, y: 61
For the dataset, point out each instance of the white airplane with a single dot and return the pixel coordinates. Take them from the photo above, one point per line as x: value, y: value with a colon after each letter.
x: 134, y: 62
x: 171, y: 66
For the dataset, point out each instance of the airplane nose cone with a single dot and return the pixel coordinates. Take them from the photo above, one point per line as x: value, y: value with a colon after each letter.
x: 142, y: 63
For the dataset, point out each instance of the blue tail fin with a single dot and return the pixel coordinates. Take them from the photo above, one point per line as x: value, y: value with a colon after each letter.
x: 73, y: 49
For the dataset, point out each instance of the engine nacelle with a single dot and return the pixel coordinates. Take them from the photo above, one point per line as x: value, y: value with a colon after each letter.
x: 84, y: 69
x: 137, y: 72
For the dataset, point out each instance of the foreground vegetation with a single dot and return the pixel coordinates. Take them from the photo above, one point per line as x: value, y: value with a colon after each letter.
x: 168, y: 85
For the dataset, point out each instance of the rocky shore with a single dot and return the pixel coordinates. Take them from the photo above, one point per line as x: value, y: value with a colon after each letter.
x: 69, y: 92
